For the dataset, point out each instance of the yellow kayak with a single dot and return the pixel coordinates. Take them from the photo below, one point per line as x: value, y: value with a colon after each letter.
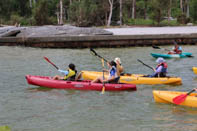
x: 135, y: 78
x: 195, y: 70
x: 167, y: 97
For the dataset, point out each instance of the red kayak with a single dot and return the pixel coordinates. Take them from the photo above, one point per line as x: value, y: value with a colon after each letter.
x: 76, y: 85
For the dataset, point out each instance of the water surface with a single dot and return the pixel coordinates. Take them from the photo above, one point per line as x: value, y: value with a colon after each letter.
x: 25, y: 107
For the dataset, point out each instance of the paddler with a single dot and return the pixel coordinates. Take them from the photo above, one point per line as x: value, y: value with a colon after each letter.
x: 69, y: 74
x: 161, y: 69
x: 112, y: 78
x: 119, y: 67
x: 176, y: 49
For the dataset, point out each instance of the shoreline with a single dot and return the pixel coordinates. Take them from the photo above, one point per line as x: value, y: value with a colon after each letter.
x: 122, y: 37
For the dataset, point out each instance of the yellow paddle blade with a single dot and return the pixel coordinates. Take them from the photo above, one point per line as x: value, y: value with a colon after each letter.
x: 102, y: 60
x: 103, y: 90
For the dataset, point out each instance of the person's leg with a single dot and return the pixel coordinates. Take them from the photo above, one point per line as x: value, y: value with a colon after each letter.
x: 97, y: 80
x: 57, y: 77
x: 78, y: 76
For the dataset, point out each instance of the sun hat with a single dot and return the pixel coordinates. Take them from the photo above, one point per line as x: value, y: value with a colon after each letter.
x: 117, y: 59
x: 160, y: 60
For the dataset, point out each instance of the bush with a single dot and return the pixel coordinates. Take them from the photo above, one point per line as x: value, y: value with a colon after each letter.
x: 140, y: 22
x: 170, y: 23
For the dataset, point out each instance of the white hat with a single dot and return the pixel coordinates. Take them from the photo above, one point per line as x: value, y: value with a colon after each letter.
x: 117, y: 59
x: 160, y: 60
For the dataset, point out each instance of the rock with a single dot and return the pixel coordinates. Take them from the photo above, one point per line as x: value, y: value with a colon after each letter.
x: 189, y: 24
x: 51, y: 31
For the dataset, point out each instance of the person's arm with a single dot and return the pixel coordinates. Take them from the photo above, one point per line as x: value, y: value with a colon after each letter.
x: 158, y: 70
x: 63, y: 72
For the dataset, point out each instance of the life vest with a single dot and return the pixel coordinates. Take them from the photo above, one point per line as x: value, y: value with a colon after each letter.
x: 164, y: 67
x: 177, y: 50
x: 112, y: 71
x: 71, y: 75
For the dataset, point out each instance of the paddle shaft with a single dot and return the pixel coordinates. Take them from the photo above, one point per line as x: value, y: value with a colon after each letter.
x: 145, y: 64
x: 92, y: 50
x: 157, y: 47
x: 103, y: 89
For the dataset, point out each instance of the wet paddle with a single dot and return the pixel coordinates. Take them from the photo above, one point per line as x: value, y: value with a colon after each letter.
x: 181, y: 98
x: 103, y: 89
x: 157, y: 47
x: 94, y: 53
x: 145, y: 64
x: 51, y: 62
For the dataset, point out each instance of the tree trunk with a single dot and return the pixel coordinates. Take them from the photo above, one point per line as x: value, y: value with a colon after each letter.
x: 145, y: 10
x: 187, y: 14
x: 30, y: 3
x: 61, y: 13
x: 58, y: 18
x: 120, y: 12
x: 110, y: 13
x: 133, y: 9
x: 181, y: 5
x: 169, y: 10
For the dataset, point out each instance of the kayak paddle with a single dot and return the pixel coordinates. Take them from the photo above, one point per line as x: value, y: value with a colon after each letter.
x: 157, y: 47
x: 94, y: 52
x: 51, y: 62
x: 181, y: 98
x: 145, y: 64
x: 103, y: 89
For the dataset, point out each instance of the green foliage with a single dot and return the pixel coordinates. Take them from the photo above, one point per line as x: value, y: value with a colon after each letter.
x: 140, y: 22
x: 83, y: 12
x: 169, y: 23
x: 41, y: 13
x: 193, y: 9
x: 92, y: 12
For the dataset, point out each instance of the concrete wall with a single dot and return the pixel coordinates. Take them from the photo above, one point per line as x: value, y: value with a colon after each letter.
x: 99, y: 41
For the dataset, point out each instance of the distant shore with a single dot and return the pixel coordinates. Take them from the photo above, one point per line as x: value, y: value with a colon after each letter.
x: 58, y: 37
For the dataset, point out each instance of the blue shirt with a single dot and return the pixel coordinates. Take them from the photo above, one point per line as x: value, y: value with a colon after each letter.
x: 63, y: 72
x: 113, y: 72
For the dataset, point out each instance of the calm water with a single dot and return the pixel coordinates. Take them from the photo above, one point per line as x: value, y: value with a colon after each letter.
x: 28, y: 108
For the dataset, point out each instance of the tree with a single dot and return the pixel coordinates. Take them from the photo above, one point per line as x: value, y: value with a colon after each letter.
x: 120, y: 12
x: 61, y: 13
x: 111, y: 2
x: 159, y: 7
x: 41, y: 13
x: 133, y: 9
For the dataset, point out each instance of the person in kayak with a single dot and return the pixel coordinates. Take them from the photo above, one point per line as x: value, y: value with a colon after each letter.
x: 161, y: 69
x: 112, y: 78
x: 119, y: 67
x: 68, y: 74
x: 176, y: 49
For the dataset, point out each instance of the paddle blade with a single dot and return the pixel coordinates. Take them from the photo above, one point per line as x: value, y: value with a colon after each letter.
x: 103, y: 90
x: 156, y: 47
x: 50, y: 62
x: 46, y: 59
x: 179, y: 99
x: 92, y: 50
x: 102, y: 60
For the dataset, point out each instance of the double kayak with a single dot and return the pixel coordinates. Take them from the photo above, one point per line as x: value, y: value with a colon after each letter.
x: 194, y: 70
x: 182, y: 55
x: 167, y: 97
x: 45, y: 81
x: 135, y: 78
